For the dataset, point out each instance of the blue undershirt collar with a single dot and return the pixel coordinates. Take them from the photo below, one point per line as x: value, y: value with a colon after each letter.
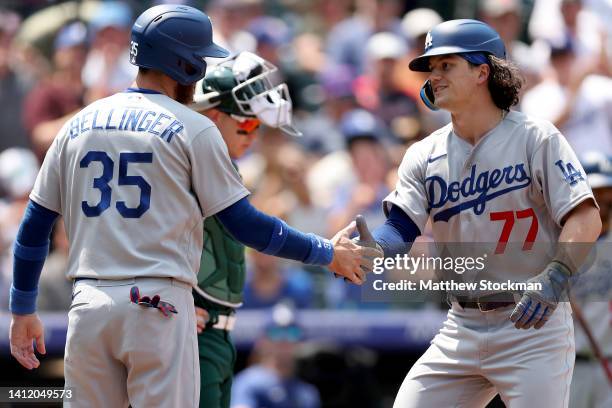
x: 142, y: 90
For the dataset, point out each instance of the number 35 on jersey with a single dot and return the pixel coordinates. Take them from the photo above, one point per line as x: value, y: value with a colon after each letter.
x: 101, y: 183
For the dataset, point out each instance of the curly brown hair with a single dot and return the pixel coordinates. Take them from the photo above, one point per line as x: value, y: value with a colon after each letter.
x: 505, y: 82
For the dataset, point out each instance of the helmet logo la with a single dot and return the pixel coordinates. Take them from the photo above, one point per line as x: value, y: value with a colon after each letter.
x: 428, y: 41
x: 133, y: 51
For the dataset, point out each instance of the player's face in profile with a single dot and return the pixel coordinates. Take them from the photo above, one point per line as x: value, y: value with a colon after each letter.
x: 238, y: 136
x: 453, y: 81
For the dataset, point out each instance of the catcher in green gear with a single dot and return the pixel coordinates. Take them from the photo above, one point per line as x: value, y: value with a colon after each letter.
x: 237, y: 96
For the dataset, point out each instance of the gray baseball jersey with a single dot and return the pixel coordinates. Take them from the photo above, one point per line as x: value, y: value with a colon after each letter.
x: 134, y: 175
x: 515, y: 185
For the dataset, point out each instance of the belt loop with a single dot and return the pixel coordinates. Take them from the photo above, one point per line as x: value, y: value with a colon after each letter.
x: 180, y: 284
x: 449, y: 299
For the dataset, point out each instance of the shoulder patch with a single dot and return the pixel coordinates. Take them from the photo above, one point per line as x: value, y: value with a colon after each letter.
x: 569, y: 172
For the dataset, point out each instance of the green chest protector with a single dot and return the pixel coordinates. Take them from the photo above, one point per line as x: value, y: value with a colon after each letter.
x: 222, y: 267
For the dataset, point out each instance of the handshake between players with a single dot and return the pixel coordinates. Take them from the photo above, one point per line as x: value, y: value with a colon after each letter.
x: 353, y: 258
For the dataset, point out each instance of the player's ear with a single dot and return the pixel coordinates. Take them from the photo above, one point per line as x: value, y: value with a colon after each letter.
x: 483, y: 73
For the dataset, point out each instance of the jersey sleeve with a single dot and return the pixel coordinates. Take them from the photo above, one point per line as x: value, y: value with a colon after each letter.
x: 560, y: 176
x: 409, y: 193
x: 215, y: 181
x: 46, y: 191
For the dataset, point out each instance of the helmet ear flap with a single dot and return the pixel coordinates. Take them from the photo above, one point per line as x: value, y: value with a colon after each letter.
x: 427, y: 96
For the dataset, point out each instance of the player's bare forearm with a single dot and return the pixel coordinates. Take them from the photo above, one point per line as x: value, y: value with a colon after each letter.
x: 581, y: 229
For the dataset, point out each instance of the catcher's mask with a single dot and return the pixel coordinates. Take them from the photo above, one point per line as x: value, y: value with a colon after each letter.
x: 242, y: 86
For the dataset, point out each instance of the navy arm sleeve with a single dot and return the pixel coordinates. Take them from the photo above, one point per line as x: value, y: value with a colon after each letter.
x: 272, y: 236
x: 29, y: 253
x: 397, y: 234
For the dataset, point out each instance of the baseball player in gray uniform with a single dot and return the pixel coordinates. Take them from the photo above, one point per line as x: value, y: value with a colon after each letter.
x: 491, y: 176
x: 591, y: 387
x: 134, y: 175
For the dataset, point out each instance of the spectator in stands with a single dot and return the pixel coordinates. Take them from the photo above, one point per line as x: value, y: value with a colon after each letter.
x: 271, y: 381
x: 53, y: 100
x: 555, y: 21
x: 363, y: 134
x: 329, y: 13
x: 415, y: 26
x: 107, y: 69
x: 381, y: 90
x: 231, y: 20
x: 320, y: 128
x: 270, y: 281
x: 576, y: 99
x: 345, y: 41
x: 505, y: 16
x: 262, y: 165
x: 18, y: 170
x: 299, y: 59
x: 300, y: 210
x: 270, y: 34
x: 12, y: 88
x: 301, y: 65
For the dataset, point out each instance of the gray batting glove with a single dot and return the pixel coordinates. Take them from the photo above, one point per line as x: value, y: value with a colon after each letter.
x: 536, y: 307
x: 366, y: 239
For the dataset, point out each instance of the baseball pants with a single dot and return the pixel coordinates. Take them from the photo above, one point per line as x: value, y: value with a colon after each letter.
x: 477, y: 355
x: 217, y: 359
x: 119, y: 353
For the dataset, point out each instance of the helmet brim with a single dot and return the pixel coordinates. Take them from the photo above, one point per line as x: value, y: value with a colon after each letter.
x: 215, y: 51
x: 421, y: 63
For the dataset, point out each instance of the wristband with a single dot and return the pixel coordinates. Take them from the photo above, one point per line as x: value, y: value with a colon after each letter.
x: 321, y: 251
x: 22, y: 302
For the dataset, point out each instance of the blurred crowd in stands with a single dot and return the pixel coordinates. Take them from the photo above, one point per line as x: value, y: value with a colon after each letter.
x: 355, y: 101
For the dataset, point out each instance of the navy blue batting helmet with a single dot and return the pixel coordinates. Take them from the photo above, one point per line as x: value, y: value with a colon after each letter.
x: 459, y: 36
x: 174, y: 40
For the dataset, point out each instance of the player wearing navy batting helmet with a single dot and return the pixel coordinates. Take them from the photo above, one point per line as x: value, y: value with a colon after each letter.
x: 134, y: 175
x: 512, y: 184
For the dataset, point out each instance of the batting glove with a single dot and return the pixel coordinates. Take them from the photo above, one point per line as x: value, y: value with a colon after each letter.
x: 365, y: 239
x: 164, y: 307
x: 536, y: 307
